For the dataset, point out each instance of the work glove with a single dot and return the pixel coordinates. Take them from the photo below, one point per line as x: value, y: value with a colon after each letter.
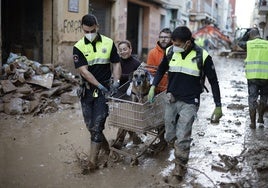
x: 114, y: 87
x: 103, y: 89
x: 217, y: 114
x: 151, y: 94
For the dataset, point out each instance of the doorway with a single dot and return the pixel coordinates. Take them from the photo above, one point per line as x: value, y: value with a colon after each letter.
x: 134, y: 27
x: 22, y: 28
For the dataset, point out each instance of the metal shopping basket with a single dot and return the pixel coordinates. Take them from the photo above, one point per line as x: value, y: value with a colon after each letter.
x: 137, y: 117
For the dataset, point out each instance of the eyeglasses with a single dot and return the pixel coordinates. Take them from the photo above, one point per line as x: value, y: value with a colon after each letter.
x: 164, y: 37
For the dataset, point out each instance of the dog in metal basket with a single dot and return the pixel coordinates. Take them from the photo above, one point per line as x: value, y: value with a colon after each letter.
x: 140, y: 82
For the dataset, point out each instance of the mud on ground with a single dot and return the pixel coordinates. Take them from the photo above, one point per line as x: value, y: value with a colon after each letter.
x: 40, y: 151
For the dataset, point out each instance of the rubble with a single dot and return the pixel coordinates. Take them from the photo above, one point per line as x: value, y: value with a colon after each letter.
x: 30, y: 87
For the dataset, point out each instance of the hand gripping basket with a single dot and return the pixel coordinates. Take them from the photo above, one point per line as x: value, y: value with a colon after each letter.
x: 137, y: 117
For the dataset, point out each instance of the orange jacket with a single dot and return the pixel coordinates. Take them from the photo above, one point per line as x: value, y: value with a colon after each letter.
x: 154, y: 58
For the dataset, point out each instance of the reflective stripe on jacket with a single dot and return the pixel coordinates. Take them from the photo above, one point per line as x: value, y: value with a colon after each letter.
x: 102, y: 54
x: 188, y: 65
x: 257, y: 59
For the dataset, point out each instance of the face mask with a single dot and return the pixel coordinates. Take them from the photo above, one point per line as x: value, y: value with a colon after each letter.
x: 90, y: 36
x: 178, y: 49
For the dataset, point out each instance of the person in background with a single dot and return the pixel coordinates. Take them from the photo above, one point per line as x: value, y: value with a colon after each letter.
x: 129, y: 64
x: 257, y: 75
x: 202, y: 42
x: 94, y: 55
x: 183, y: 94
x: 154, y: 58
x: 156, y: 54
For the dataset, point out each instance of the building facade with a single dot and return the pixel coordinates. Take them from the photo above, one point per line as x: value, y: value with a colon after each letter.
x: 260, y: 17
x: 46, y: 30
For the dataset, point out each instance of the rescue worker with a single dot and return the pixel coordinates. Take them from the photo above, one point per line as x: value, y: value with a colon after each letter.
x: 183, y: 94
x: 257, y: 75
x: 154, y: 58
x: 200, y: 41
x: 129, y: 64
x: 93, y: 56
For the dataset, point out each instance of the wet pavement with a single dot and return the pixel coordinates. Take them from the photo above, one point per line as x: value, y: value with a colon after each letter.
x: 40, y: 151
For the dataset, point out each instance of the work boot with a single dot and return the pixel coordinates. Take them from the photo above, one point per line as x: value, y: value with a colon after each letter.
x: 105, y: 151
x: 261, y: 109
x: 252, y: 114
x: 179, y: 170
x: 105, y: 146
x: 177, y: 175
x: 93, y: 158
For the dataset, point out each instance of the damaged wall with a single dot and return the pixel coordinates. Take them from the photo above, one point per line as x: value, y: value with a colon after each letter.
x: 56, y: 26
x: 66, y: 31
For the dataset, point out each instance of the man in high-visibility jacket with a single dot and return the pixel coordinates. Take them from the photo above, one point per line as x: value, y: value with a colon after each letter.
x: 183, y: 94
x: 200, y: 41
x: 94, y: 55
x: 257, y: 75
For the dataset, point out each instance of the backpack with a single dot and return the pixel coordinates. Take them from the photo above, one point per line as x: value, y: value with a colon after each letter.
x: 199, y: 59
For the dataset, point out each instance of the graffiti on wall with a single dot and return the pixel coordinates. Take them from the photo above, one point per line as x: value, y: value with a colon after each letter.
x: 72, y: 26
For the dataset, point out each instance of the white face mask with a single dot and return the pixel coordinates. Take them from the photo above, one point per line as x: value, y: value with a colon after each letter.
x: 178, y: 49
x: 90, y: 36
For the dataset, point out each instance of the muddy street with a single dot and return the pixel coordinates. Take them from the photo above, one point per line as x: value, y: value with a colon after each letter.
x: 40, y: 151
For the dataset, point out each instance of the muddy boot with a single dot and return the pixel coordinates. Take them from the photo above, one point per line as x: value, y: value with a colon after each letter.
x: 105, y: 151
x: 105, y: 146
x: 177, y: 175
x: 261, y: 109
x: 252, y: 114
x: 93, y: 158
x: 135, y: 138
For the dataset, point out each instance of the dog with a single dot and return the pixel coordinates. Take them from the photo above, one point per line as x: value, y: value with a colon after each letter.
x: 140, y: 82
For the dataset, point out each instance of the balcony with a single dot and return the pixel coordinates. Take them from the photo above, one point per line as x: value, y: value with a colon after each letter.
x: 167, y: 3
x: 263, y: 7
x: 201, y: 16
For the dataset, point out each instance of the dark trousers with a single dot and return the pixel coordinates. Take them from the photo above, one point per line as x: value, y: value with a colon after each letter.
x: 257, y: 87
x: 95, y: 112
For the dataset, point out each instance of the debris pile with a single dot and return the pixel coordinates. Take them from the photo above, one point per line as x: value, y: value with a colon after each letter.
x: 30, y: 87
